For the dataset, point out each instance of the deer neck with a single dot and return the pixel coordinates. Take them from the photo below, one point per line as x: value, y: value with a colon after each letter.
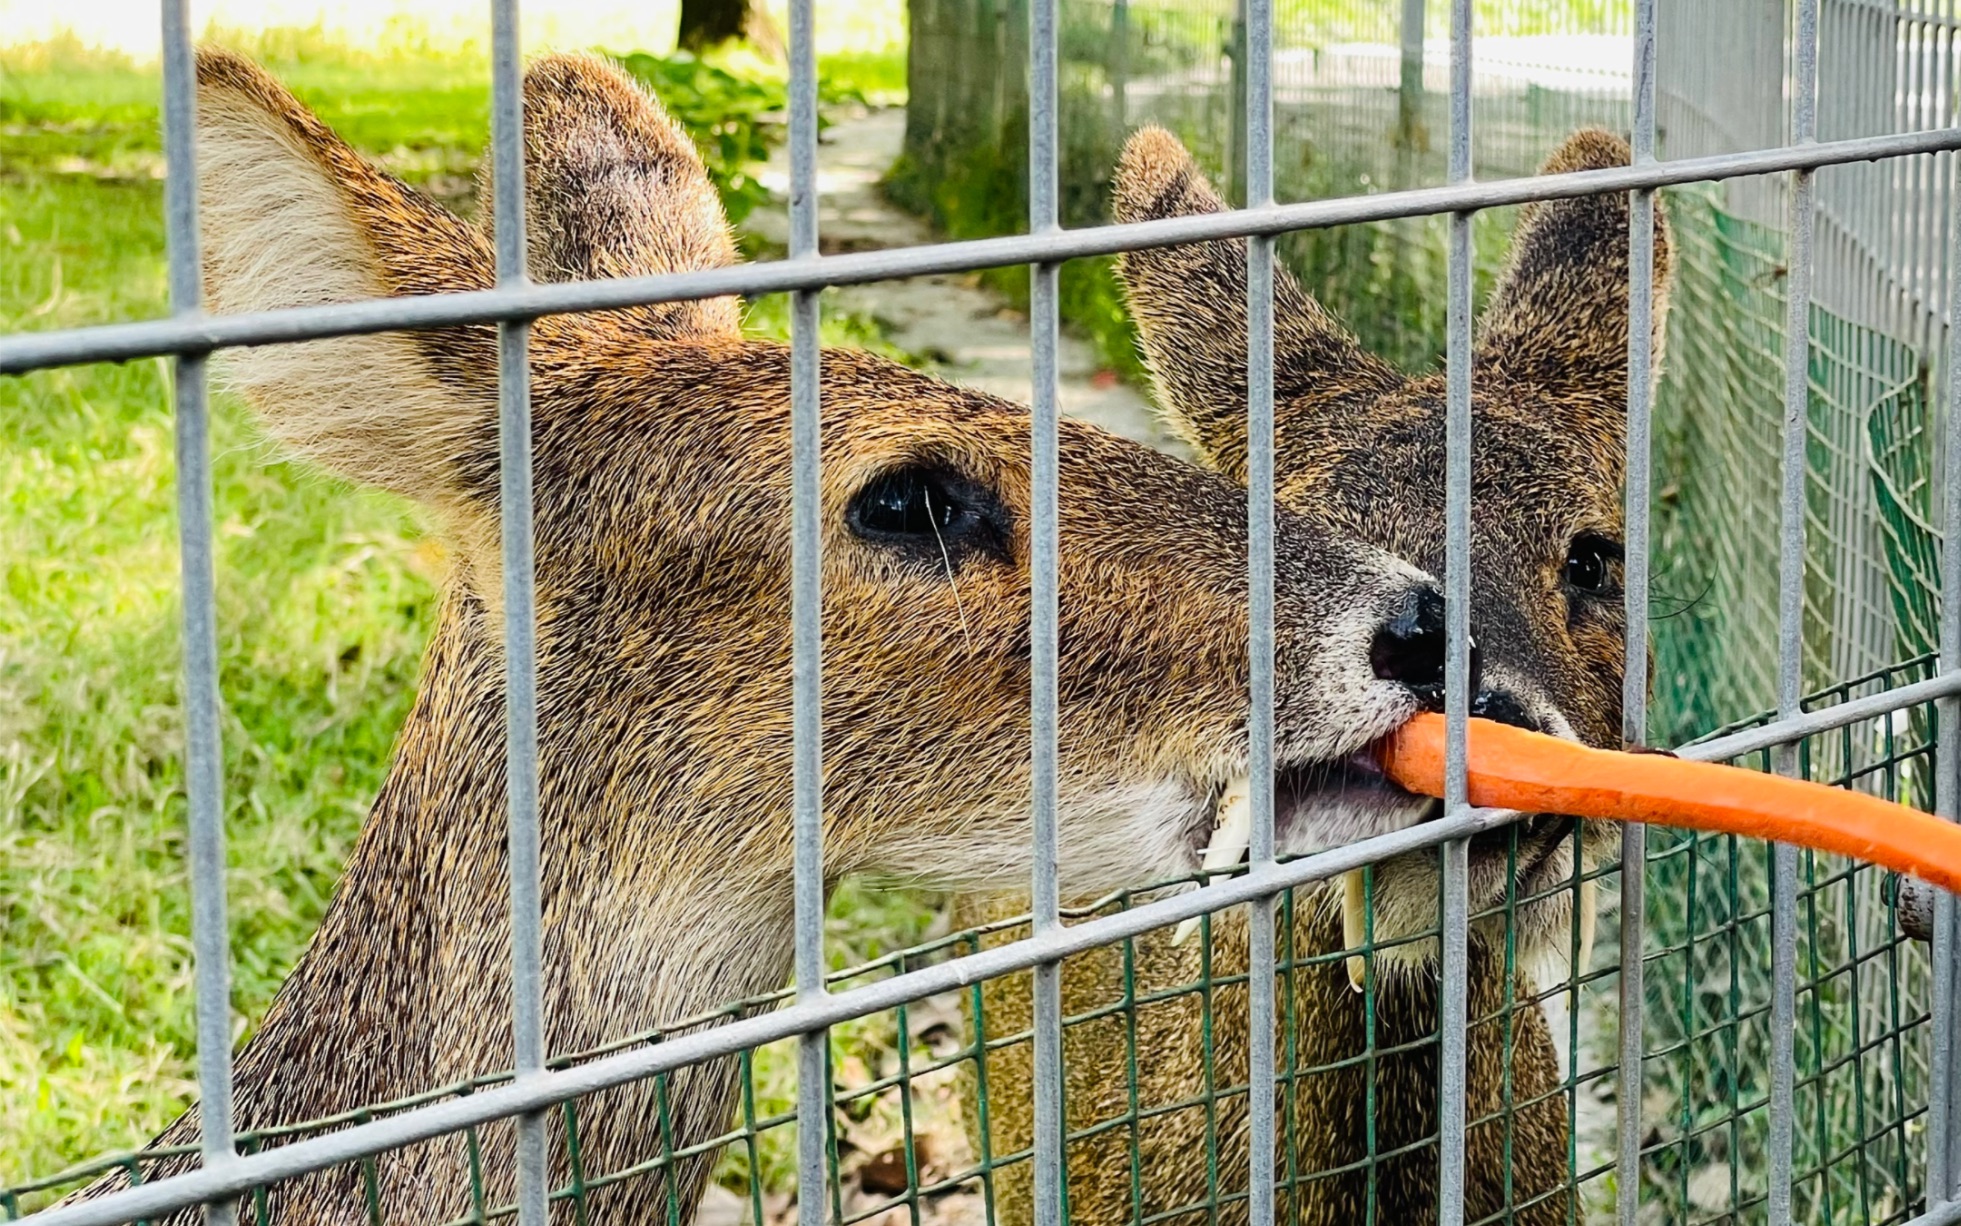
x: 406, y: 986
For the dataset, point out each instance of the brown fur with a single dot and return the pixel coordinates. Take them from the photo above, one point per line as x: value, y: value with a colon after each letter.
x: 661, y: 468
x: 1361, y: 448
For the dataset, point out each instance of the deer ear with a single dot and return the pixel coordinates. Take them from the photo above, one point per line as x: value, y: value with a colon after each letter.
x: 1558, y: 319
x: 294, y: 217
x: 1190, y: 306
x: 614, y: 188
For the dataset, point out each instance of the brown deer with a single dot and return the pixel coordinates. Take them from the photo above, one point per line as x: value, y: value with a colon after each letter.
x: 662, y: 518
x: 1361, y: 450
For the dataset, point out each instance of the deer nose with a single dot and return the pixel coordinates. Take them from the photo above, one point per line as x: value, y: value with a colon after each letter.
x: 1409, y: 648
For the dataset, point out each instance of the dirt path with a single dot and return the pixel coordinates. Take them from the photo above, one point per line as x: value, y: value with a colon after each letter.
x: 968, y: 334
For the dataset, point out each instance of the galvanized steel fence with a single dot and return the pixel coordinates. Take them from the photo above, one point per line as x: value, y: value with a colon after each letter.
x: 544, y: 1085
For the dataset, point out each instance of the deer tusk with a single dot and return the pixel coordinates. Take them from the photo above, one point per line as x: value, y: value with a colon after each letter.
x: 1232, y: 832
x: 1355, y: 924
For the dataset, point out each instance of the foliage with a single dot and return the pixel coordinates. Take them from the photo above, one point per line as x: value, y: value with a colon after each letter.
x: 734, y: 119
x: 878, y: 77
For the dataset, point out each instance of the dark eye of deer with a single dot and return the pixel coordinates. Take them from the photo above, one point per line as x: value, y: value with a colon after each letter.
x: 931, y: 514
x: 911, y: 502
x: 1590, y: 563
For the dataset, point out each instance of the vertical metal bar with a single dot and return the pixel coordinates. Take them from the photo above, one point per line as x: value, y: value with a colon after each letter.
x: 1044, y: 479
x: 806, y: 614
x: 1634, y: 681
x: 1455, y: 953
x: 1236, y: 108
x: 1259, y: 613
x: 1941, y: 174
x: 1790, y: 613
x: 204, y: 777
x: 1944, y: 1105
x: 520, y: 612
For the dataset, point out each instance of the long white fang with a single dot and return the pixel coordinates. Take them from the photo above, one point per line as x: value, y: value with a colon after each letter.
x: 1355, y: 924
x: 1232, y: 833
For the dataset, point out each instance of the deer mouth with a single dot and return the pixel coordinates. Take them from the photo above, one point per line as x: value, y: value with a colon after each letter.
x: 1316, y: 805
x: 1528, y: 873
x: 1539, y: 839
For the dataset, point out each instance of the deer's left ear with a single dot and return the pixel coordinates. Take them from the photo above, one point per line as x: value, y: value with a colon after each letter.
x: 1190, y: 307
x: 614, y: 188
x: 1558, y: 320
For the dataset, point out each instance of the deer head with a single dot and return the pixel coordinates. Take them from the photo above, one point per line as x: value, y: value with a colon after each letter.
x: 1360, y: 450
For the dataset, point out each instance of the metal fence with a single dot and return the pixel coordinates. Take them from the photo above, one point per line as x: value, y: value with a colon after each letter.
x: 236, y: 1168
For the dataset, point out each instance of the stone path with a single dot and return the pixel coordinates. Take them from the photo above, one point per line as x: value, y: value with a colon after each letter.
x: 968, y: 334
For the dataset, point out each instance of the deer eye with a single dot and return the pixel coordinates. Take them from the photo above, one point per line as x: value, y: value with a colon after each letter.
x: 1593, y: 564
x: 909, y: 502
x: 930, y: 511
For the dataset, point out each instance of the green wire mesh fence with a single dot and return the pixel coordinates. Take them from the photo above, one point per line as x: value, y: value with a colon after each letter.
x: 1862, y: 1004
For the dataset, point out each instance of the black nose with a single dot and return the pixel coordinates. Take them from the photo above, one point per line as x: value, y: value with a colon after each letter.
x: 1409, y: 647
x: 1504, y: 707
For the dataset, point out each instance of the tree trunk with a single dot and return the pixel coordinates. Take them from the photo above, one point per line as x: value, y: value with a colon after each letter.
x: 705, y: 23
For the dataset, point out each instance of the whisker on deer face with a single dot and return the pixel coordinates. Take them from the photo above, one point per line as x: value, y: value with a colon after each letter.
x: 952, y: 580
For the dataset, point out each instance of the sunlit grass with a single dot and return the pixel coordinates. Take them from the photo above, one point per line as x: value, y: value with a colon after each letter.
x: 422, y: 29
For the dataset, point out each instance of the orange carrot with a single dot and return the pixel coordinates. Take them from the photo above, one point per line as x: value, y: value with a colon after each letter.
x: 1511, y: 768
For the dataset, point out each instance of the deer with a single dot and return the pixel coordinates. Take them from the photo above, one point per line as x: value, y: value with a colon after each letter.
x: 661, y: 442
x: 1360, y: 449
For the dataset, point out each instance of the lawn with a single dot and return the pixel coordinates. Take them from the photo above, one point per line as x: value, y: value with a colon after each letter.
x: 325, y: 601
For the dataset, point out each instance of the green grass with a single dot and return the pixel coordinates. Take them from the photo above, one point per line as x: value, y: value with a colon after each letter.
x: 325, y: 603
x: 324, y: 598
x: 879, y: 77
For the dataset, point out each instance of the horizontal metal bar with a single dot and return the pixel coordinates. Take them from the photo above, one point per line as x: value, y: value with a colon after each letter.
x: 166, y: 1196
x: 1948, y: 1214
x: 121, y: 342
x: 1811, y: 723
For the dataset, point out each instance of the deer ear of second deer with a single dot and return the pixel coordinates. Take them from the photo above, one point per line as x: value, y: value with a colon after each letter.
x: 1360, y: 449
x: 663, y: 509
